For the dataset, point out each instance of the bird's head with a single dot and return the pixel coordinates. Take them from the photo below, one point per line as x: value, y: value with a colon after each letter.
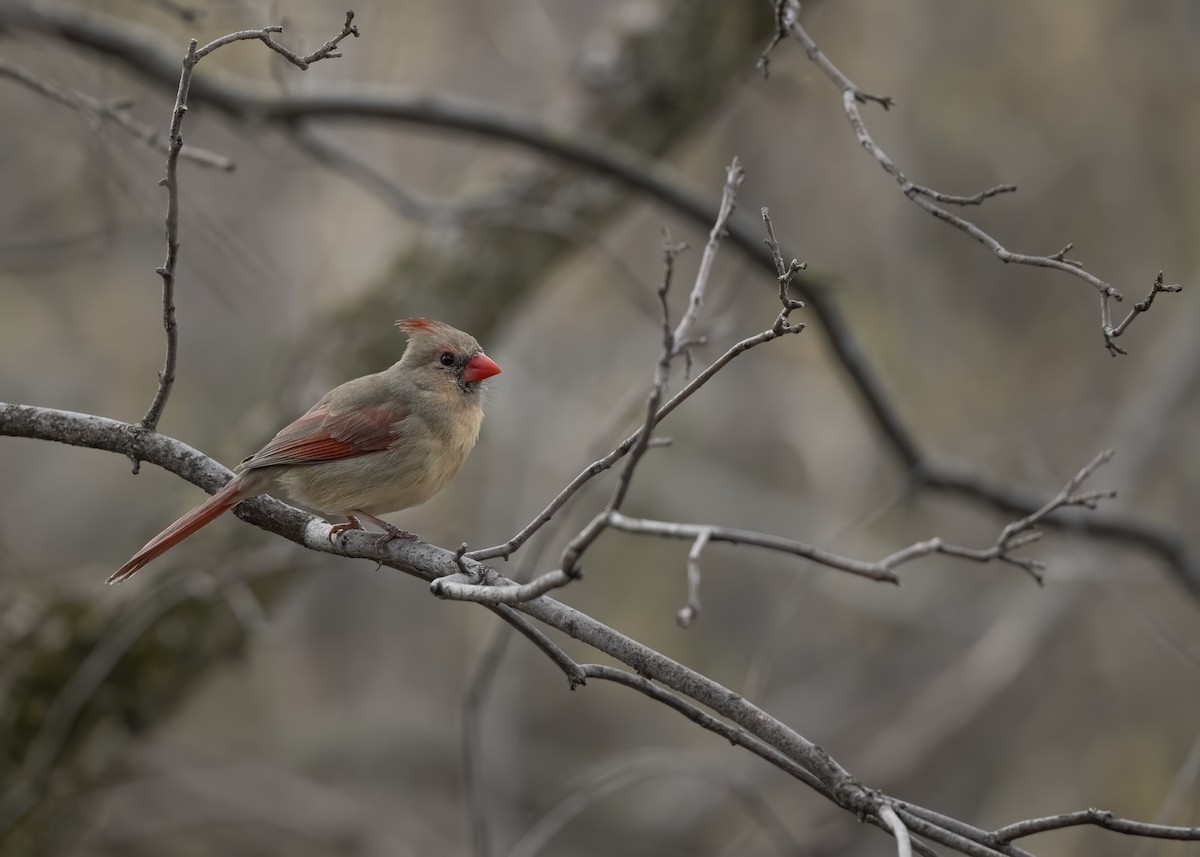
x: 441, y: 356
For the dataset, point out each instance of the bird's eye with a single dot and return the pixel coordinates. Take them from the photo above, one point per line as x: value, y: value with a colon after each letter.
x: 447, y: 359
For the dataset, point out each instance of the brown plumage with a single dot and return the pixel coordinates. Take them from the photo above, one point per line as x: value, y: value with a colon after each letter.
x: 374, y: 445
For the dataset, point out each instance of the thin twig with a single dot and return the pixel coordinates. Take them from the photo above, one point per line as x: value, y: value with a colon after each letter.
x: 673, y: 344
x: 610, y: 776
x: 734, y: 176
x: 1141, y: 306
x: 688, y: 612
x: 662, y: 371
x: 167, y: 271
x: 1098, y: 818
x: 903, y: 843
x: 781, y: 327
x: 701, y: 534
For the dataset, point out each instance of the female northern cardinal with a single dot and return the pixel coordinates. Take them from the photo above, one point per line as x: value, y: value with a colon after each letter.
x: 373, y: 445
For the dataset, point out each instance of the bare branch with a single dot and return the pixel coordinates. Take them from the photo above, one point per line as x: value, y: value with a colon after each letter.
x: 877, y: 571
x: 734, y: 176
x: 952, y: 832
x: 166, y: 376
x: 928, y: 198
x: 460, y: 588
x: 749, y: 725
x: 573, y: 672
x: 662, y: 371
x: 688, y: 613
x: 1098, y: 818
x: 608, y: 777
x: 903, y: 843
x: 1015, y: 535
x: 1142, y: 306
x: 786, y: 11
x: 781, y: 327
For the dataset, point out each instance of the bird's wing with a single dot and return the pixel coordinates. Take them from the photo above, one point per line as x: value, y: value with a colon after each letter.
x: 325, y: 435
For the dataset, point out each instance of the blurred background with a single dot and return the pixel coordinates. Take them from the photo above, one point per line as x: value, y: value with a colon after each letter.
x: 247, y: 697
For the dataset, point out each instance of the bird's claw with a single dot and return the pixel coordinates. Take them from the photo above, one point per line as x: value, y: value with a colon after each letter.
x: 351, y: 523
x: 392, y: 534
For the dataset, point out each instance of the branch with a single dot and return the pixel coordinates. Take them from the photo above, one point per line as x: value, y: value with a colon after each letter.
x: 429, y: 563
x: 903, y: 843
x: 166, y: 376
x: 749, y: 725
x: 1015, y: 535
x: 787, y: 18
x: 1099, y: 818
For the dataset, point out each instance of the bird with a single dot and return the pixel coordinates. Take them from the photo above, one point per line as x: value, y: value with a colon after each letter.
x: 373, y: 445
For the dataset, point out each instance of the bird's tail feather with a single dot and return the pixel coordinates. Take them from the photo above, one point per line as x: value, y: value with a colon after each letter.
x: 223, y: 500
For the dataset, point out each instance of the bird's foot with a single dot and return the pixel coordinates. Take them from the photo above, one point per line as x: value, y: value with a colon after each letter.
x: 391, y: 533
x: 352, y: 523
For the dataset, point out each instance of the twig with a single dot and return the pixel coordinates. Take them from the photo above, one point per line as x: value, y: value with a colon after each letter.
x: 903, y: 843
x: 927, y: 198
x: 672, y: 345
x: 688, y: 612
x: 575, y: 548
x: 602, y: 464
x: 609, y: 777
x: 1014, y: 535
x: 1018, y: 533
x: 166, y: 376
x: 1098, y: 818
x: 936, y: 825
x: 1142, y: 306
x: 641, y: 437
x: 483, y: 675
x: 116, y: 113
x: 461, y: 588
x: 734, y: 176
x: 702, y: 534
x: 574, y: 673
x: 786, y: 11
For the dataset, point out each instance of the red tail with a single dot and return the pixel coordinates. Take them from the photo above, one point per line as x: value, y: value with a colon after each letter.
x: 223, y: 500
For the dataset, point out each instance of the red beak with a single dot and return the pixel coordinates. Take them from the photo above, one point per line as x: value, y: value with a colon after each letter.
x: 480, y: 367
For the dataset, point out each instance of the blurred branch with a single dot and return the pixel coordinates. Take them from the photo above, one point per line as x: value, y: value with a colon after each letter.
x: 479, y: 685
x: 113, y: 112
x: 787, y: 20
x: 507, y: 210
x: 633, y: 170
x: 166, y: 377
x: 59, y: 723
x: 610, y: 777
